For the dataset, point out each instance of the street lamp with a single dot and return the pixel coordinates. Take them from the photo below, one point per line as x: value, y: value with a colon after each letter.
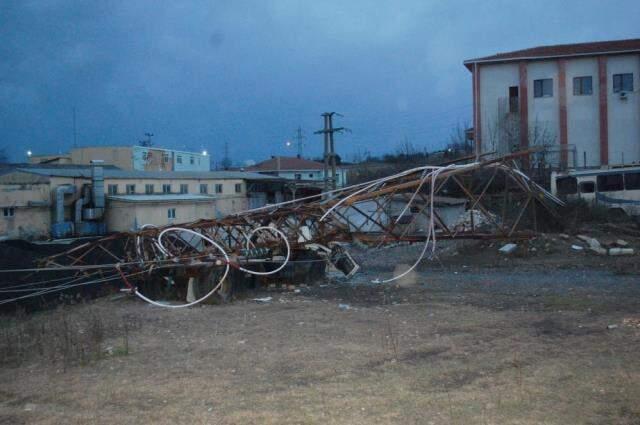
x: 29, y: 153
x: 204, y: 152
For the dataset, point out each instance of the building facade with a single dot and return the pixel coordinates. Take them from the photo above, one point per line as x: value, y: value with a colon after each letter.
x: 579, y: 101
x: 139, y: 158
x: 294, y: 168
x: 36, y: 202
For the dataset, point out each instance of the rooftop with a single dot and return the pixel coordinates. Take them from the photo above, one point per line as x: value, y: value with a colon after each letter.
x: 562, y: 50
x: 286, y: 163
x: 116, y: 173
x: 162, y: 198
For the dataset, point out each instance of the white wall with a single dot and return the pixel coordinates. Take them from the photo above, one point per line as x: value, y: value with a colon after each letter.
x: 583, y: 116
x: 495, y: 81
x: 624, y: 115
x: 544, y: 114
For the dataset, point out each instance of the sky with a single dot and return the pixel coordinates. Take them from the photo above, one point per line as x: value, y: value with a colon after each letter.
x: 199, y: 74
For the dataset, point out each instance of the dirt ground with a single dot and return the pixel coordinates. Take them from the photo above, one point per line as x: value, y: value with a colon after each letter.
x: 546, y: 336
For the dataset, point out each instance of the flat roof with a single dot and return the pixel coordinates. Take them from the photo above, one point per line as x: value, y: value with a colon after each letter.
x: 168, y: 197
x: 115, y: 173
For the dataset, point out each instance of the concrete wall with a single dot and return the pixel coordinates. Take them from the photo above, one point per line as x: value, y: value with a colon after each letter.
x: 120, y: 156
x: 495, y: 81
x: 28, y: 196
x: 624, y: 115
x: 583, y: 124
x: 544, y: 121
x: 228, y: 186
x: 126, y: 216
x: 583, y: 111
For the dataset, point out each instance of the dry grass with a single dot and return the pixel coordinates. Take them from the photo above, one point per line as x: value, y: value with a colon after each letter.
x: 414, y: 357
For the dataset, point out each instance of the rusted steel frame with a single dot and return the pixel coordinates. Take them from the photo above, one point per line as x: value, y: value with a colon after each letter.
x: 382, y: 226
x: 109, y: 253
x: 84, y: 254
x: 486, y: 187
x: 480, y: 206
x: 524, y: 207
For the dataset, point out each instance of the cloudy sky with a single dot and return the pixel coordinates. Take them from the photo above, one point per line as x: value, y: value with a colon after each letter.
x: 198, y: 74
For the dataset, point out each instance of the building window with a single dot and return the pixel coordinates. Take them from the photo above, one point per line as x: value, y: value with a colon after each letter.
x: 543, y: 87
x: 171, y: 213
x: 179, y: 159
x: 148, y: 189
x: 204, y: 188
x: 144, y: 156
x: 112, y: 189
x: 131, y: 189
x: 238, y: 187
x: 610, y: 183
x: 582, y: 86
x: 587, y: 187
x: 166, y: 188
x: 567, y: 185
x: 165, y: 157
x: 297, y: 176
x: 310, y: 176
x: 184, y: 188
x: 514, y: 99
x: 632, y: 181
x: 8, y: 212
x: 622, y: 83
x: 218, y: 188
x: 191, y: 160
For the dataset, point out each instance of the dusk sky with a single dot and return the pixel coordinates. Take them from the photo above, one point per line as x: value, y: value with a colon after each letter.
x: 199, y: 74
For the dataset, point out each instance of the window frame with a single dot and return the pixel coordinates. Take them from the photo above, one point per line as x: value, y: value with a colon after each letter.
x: 621, y: 77
x: 166, y: 188
x: 219, y: 188
x: 171, y: 213
x: 627, y: 176
x: 184, y: 188
x: 238, y: 187
x: 579, y: 85
x: 560, y: 185
x: 146, y: 189
x: 204, y: 189
x: 8, y: 212
x: 179, y: 159
x: 130, y: 189
x: 602, y: 187
x: 539, y: 86
x: 581, y: 185
x: 111, y: 192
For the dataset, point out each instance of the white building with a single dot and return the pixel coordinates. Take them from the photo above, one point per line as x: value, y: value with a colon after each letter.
x: 294, y: 168
x: 580, y: 99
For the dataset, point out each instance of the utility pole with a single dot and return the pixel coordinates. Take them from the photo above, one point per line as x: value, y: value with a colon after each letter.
x: 329, y: 150
x: 147, y: 142
x: 299, y: 139
x: 226, y: 161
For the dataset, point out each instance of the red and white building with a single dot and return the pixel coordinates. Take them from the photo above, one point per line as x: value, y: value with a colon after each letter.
x: 581, y: 99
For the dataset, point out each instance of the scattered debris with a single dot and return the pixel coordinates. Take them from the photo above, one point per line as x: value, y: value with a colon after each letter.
x: 622, y: 243
x: 621, y: 251
x: 344, y: 306
x: 263, y: 300
x: 612, y: 327
x: 631, y: 322
x: 577, y: 248
x: 563, y: 236
x: 508, y: 248
x: 594, y: 245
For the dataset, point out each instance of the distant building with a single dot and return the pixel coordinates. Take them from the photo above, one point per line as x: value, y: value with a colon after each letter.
x: 60, y: 201
x: 140, y: 158
x: 294, y: 168
x: 580, y: 100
